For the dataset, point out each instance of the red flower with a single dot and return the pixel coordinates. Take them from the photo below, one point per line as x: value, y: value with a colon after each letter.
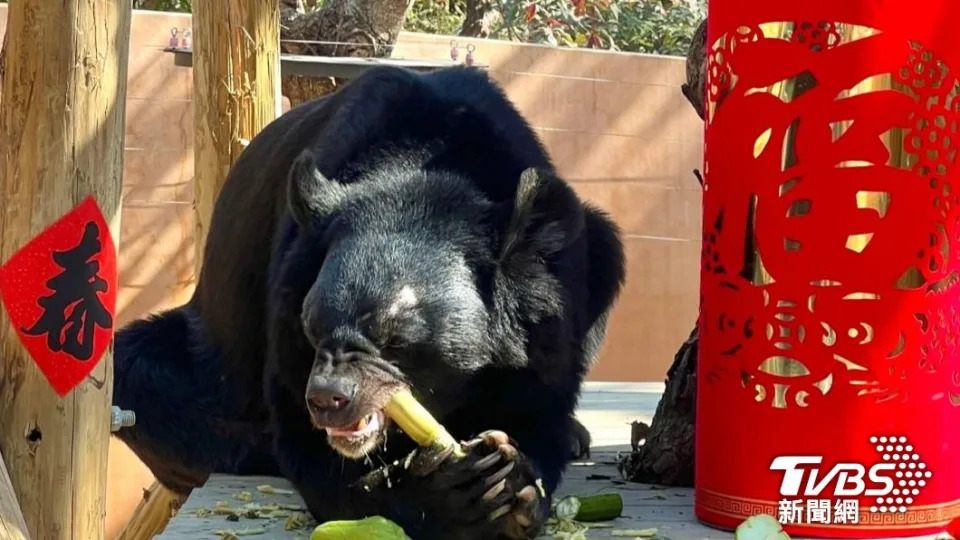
x: 579, y: 7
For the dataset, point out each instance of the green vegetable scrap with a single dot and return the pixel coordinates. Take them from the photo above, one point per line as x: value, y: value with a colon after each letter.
x: 371, y: 528
x: 760, y: 527
x: 603, y: 507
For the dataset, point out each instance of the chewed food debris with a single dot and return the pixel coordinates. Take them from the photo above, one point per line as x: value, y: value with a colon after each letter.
x: 635, y: 533
x: 270, y: 490
x: 226, y: 534
x: 294, y: 516
x: 297, y: 520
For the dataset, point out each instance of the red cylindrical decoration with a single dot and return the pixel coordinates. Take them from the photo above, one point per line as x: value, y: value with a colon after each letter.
x: 829, y: 377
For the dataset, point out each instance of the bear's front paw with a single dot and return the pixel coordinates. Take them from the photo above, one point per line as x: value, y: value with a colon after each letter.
x: 493, y: 492
x: 515, y: 493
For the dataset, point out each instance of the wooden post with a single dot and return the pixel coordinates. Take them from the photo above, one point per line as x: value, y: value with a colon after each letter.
x: 61, y: 139
x: 152, y: 515
x: 12, y: 525
x: 236, y: 91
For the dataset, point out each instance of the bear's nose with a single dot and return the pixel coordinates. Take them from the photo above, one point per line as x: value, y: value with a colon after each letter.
x: 326, y: 394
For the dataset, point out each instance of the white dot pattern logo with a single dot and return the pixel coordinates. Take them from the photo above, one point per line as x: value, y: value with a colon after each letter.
x: 907, y: 464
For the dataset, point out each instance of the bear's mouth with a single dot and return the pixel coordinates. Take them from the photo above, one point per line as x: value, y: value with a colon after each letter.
x: 370, y: 424
x: 357, y: 440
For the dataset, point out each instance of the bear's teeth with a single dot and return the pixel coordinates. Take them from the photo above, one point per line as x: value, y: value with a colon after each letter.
x: 362, y: 423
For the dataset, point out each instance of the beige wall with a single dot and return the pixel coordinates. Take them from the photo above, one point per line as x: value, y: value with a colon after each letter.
x: 616, y: 125
x: 619, y: 129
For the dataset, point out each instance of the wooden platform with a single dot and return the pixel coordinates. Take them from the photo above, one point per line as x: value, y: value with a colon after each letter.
x: 606, y: 410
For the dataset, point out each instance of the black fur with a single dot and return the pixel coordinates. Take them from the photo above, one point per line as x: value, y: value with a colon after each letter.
x: 432, y: 181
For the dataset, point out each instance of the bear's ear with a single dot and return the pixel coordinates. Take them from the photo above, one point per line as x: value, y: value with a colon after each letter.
x: 311, y: 195
x: 545, y: 217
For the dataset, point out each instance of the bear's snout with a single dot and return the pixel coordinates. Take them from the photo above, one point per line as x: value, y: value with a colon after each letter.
x: 329, y: 398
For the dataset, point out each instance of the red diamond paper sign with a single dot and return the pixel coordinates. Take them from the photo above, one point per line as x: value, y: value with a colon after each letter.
x: 60, y: 291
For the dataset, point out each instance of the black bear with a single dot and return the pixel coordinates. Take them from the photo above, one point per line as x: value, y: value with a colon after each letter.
x: 407, y: 231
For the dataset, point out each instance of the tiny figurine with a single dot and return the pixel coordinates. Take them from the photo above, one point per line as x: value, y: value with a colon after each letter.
x: 469, y: 58
x: 454, y: 51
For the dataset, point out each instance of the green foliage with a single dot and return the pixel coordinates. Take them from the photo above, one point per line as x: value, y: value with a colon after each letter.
x: 433, y: 17
x: 645, y: 26
x: 182, y: 6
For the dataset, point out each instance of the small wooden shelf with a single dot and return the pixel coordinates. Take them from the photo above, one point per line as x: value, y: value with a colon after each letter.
x: 344, y: 67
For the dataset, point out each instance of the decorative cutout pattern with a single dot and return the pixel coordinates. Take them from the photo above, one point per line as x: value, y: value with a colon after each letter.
x: 830, y: 262
x: 839, y: 207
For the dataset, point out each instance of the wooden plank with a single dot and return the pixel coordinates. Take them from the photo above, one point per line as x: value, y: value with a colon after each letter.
x: 62, y: 136
x: 12, y: 525
x: 196, y: 518
x: 151, y: 516
x: 345, y: 67
x: 606, y: 411
x: 670, y: 510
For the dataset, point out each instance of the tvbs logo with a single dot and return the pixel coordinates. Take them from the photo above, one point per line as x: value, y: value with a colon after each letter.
x: 808, y: 487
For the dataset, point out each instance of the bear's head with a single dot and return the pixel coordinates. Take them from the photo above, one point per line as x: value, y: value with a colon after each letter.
x: 424, y: 282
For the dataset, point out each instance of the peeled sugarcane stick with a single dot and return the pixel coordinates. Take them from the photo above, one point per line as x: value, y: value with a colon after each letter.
x: 424, y: 429
x: 420, y: 425
x: 435, y: 441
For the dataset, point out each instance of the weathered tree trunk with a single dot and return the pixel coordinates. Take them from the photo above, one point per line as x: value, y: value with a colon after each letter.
x: 61, y: 140
x: 12, y: 525
x: 3, y: 57
x: 479, y: 18
x: 360, y: 28
x: 694, y: 89
x: 666, y: 456
x: 236, y: 91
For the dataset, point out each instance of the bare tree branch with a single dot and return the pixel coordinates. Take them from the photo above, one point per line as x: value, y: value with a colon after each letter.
x: 479, y: 18
x: 362, y: 28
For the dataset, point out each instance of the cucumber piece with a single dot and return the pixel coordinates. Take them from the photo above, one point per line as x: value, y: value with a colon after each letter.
x: 602, y: 507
